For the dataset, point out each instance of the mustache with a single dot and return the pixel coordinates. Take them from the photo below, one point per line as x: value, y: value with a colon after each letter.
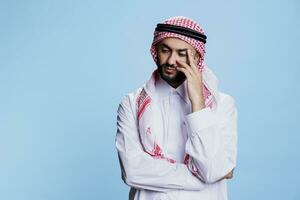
x: 168, y: 65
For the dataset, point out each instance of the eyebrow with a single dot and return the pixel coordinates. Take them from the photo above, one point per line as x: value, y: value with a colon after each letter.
x: 165, y: 45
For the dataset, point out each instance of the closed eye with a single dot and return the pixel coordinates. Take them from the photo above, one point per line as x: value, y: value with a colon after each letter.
x: 182, y: 53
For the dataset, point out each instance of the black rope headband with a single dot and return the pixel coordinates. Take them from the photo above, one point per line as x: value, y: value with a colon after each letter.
x: 182, y: 31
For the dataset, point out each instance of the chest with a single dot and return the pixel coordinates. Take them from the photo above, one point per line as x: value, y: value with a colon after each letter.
x: 173, y: 110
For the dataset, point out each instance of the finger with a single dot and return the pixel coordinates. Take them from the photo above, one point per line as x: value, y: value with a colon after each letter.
x: 185, y: 66
x: 229, y: 175
x: 185, y: 71
x: 191, y: 63
x: 194, y: 73
x: 191, y: 60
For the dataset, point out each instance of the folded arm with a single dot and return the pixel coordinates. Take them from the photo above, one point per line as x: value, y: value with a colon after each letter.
x: 139, y: 169
x: 212, y: 141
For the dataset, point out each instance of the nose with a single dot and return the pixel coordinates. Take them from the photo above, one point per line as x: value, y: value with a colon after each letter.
x: 172, y: 59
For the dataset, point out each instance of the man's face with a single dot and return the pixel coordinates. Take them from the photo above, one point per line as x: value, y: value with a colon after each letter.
x: 168, y: 51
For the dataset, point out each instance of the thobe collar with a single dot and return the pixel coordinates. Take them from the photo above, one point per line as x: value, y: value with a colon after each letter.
x: 164, y: 89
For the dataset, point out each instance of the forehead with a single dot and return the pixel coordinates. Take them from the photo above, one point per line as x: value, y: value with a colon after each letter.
x: 175, y: 43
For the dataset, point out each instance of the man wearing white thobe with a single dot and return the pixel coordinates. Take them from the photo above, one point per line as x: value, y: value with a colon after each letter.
x: 198, y: 141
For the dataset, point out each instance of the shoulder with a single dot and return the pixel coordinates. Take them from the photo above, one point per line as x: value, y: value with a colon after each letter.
x: 128, y: 101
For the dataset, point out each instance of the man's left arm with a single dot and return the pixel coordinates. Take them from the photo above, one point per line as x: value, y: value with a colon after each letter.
x: 212, y: 141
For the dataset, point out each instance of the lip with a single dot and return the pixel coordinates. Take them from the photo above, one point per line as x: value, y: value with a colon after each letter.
x: 170, y: 70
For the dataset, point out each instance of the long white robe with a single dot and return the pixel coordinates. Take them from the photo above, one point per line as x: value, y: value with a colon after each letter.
x: 209, y: 137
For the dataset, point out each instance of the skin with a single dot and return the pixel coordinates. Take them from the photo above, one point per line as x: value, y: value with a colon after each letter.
x: 177, y: 61
x: 181, y: 58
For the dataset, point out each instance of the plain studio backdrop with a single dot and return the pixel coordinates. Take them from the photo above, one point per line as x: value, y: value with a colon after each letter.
x: 65, y: 65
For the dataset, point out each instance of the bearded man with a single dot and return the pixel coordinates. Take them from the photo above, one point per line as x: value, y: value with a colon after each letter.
x: 177, y: 134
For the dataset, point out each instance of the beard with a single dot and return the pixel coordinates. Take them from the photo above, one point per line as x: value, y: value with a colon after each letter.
x: 175, y: 78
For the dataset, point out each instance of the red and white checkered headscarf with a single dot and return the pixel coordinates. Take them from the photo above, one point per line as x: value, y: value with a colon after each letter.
x: 210, y: 81
x: 184, y: 22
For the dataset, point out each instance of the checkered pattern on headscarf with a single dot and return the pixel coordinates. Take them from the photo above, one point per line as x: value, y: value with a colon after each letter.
x: 184, y: 22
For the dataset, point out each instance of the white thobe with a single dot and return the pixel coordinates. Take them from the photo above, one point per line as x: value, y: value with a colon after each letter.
x: 209, y: 137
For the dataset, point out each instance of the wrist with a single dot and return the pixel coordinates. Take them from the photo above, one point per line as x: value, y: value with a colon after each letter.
x: 196, y: 106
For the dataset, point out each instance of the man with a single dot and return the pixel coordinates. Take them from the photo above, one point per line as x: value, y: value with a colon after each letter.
x: 177, y: 135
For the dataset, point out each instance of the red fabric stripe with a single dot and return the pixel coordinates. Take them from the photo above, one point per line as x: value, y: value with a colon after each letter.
x: 143, y: 107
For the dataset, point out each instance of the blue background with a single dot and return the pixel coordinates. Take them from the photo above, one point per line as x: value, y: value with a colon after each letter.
x: 65, y: 65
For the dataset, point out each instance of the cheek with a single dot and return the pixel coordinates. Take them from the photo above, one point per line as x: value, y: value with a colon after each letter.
x: 161, y: 58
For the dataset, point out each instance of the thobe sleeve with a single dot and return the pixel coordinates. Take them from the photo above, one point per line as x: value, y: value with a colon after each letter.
x: 212, y: 141
x: 139, y: 169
